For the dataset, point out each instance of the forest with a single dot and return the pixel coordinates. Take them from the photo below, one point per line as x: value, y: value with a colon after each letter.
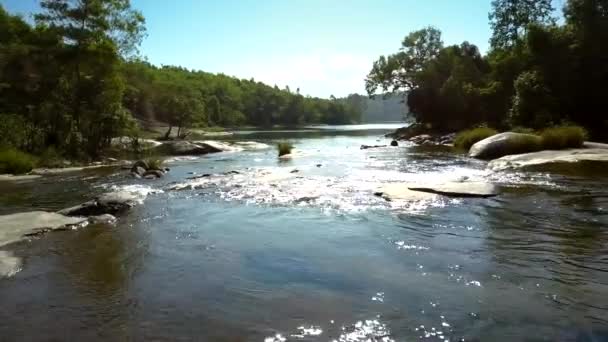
x: 73, y: 79
x: 544, y: 68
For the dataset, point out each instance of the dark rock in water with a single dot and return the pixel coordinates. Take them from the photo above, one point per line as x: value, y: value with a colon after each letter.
x: 459, y: 189
x: 167, y: 169
x: 152, y: 174
x: 140, y: 164
x: 319, y: 165
x: 138, y: 170
x: 365, y: 147
x: 181, y: 148
x: 232, y: 173
x: 294, y: 171
x: 111, y: 203
x: 394, y: 143
x: 201, y: 176
x: 379, y: 193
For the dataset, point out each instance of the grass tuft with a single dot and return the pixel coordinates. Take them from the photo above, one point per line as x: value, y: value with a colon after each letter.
x: 15, y: 162
x: 563, y: 137
x: 284, y: 148
x: 155, y: 163
x: 466, y: 139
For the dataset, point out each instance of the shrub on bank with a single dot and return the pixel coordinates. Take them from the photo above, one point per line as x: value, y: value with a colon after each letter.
x: 15, y: 162
x: 563, y: 137
x: 466, y: 139
x: 154, y: 163
x: 284, y: 148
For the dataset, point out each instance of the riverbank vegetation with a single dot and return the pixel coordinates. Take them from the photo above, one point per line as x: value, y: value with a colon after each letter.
x: 540, y: 71
x: 465, y: 139
x: 284, y: 148
x: 72, y: 80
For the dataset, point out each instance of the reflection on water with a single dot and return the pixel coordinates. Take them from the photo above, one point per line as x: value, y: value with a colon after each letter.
x: 269, y: 254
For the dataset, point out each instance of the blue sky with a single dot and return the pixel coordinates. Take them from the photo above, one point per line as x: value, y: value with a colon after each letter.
x: 324, y: 47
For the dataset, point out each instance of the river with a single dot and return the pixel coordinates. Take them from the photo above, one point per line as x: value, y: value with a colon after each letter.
x: 302, y: 250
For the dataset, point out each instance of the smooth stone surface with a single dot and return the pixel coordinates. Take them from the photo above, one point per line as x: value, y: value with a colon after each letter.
x: 154, y: 174
x: 549, y: 158
x: 500, y: 145
x: 111, y: 203
x: 459, y: 189
x: 126, y: 143
x: 15, y: 227
x: 591, y: 144
x: 16, y: 178
x: 9, y: 264
x: 46, y: 172
x: 402, y: 192
x: 218, y: 146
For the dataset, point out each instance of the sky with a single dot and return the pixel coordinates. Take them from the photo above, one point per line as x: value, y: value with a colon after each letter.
x: 323, y: 47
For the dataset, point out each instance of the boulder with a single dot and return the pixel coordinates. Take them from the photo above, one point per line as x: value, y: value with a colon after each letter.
x: 549, y: 159
x: 138, y: 171
x: 181, y: 148
x: 153, y: 174
x: 394, y: 143
x: 217, y: 146
x: 421, y: 139
x: 590, y: 144
x: 140, y: 163
x: 503, y: 144
x: 111, y: 203
x: 18, y: 226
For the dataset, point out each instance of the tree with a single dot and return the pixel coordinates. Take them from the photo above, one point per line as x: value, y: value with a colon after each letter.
x: 509, y: 19
x: 399, y: 71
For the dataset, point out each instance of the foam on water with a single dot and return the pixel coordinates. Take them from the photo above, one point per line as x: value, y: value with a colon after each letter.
x: 9, y: 264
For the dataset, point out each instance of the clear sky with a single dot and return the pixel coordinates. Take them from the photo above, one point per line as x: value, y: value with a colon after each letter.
x: 324, y: 47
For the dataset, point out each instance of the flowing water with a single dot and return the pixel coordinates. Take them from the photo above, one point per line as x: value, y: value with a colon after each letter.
x: 302, y: 250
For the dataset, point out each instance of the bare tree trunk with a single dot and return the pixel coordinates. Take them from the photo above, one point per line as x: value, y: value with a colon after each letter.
x: 168, y: 134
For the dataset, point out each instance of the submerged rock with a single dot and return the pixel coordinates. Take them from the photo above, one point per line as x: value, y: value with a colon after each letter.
x: 365, y: 147
x: 102, y: 219
x: 459, y: 189
x: 111, y: 203
x: 9, y: 264
x: 548, y: 159
x: 503, y: 144
x: 15, y: 227
x: 153, y: 174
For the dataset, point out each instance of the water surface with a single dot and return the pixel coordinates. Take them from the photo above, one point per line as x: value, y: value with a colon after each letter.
x: 302, y: 250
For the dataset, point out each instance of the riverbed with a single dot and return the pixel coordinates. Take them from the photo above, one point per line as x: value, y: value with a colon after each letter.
x: 303, y: 250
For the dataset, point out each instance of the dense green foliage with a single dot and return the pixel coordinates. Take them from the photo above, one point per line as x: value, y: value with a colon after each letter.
x: 284, y: 148
x: 15, y: 162
x: 561, y: 137
x: 72, y: 81
x: 538, y: 73
x: 467, y: 138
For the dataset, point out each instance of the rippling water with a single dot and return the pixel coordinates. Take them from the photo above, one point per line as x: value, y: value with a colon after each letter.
x: 301, y: 250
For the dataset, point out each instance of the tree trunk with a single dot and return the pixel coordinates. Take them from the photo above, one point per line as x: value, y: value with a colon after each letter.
x: 168, y: 134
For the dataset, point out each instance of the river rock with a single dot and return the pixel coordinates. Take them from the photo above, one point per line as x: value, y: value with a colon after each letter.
x: 218, y: 146
x: 111, y: 203
x: 153, y: 174
x: 181, y: 148
x: 138, y: 171
x: 365, y: 147
x: 102, y: 219
x: 402, y: 192
x: 459, y: 189
x: 590, y: 144
x: 544, y: 159
x: 503, y: 144
x: 9, y: 264
x: 15, y: 227
x: 394, y: 143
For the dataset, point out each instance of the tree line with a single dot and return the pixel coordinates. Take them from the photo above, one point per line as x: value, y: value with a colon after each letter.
x: 540, y: 70
x: 72, y: 79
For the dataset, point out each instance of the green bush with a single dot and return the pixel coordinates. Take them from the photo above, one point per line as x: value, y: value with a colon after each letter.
x: 284, y: 148
x: 154, y: 163
x: 50, y: 158
x: 15, y: 162
x: 562, y: 137
x: 466, y: 139
x: 523, y: 130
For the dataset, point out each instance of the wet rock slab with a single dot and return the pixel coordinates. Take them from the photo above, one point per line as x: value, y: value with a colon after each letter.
x: 16, y: 227
x: 538, y: 160
x: 417, y: 192
x: 111, y: 203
